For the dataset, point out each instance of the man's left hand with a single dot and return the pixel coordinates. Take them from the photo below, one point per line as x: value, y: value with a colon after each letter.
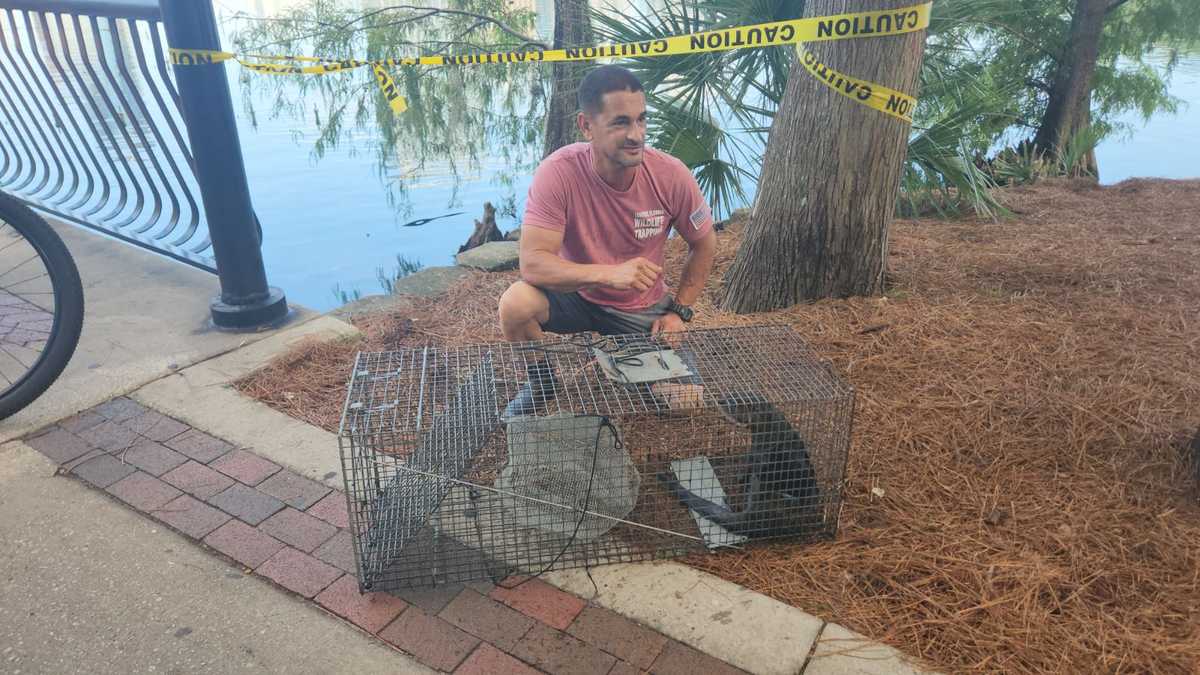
x: 669, y: 323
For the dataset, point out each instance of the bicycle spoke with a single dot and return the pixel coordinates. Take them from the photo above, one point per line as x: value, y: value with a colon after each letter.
x: 24, y: 329
x: 31, y: 302
x: 14, y: 243
x: 11, y: 365
x: 5, y: 375
x: 35, y: 256
x: 14, y: 356
x: 25, y: 281
x: 22, y: 295
x: 40, y: 306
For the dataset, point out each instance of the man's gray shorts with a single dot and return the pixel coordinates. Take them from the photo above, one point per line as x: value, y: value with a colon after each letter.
x: 572, y: 313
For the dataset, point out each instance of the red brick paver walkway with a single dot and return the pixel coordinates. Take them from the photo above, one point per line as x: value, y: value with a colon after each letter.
x: 293, y: 531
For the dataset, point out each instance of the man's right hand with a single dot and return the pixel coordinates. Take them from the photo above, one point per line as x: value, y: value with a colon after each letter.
x: 638, y: 274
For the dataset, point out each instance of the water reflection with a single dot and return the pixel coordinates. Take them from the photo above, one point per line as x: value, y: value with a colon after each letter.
x: 470, y: 121
x: 333, y: 221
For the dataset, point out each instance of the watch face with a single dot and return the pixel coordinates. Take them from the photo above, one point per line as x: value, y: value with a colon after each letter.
x: 684, y: 312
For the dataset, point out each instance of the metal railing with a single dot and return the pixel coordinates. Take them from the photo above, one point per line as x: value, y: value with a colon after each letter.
x: 91, y: 124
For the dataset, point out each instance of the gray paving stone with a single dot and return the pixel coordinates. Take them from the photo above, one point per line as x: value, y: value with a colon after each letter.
x: 120, y: 409
x: 110, y: 437
x: 193, y: 518
x: 59, y: 445
x: 81, y: 422
x: 199, y: 446
x: 294, y: 490
x: 103, y: 470
x: 151, y: 457
x: 246, y: 503
x: 156, y: 426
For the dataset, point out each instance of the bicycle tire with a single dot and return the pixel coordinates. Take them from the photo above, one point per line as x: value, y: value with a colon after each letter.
x: 68, y: 306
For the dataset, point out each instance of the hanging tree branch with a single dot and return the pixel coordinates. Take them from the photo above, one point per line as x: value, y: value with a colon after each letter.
x: 430, y: 11
x: 328, y: 27
x: 458, y: 118
x: 426, y: 12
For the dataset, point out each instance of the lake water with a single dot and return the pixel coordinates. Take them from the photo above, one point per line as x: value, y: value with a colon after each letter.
x: 1165, y: 146
x: 328, y: 223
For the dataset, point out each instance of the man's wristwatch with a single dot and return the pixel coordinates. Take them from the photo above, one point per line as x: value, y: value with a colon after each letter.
x: 683, y: 311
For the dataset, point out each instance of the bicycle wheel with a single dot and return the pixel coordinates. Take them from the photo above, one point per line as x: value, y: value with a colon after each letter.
x: 41, y: 306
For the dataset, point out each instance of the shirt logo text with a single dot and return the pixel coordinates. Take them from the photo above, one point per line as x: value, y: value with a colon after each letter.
x: 646, y: 224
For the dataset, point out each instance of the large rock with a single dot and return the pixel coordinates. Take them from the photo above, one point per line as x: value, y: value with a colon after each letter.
x: 429, y: 281
x: 373, y: 304
x: 425, y: 283
x: 494, y: 256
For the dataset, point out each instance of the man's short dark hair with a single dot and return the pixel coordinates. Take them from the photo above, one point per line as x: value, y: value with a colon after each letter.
x: 601, y: 81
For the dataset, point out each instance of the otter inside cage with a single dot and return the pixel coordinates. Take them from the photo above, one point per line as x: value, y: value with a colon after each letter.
x: 627, y: 448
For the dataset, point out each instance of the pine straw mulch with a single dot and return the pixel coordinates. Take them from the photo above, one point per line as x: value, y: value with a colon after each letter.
x: 1017, y: 499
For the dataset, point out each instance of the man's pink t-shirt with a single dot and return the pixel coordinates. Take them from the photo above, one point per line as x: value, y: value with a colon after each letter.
x: 604, y: 226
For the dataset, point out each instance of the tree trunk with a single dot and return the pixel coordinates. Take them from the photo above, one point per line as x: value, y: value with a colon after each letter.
x: 827, y: 190
x: 1068, y: 109
x: 485, y: 230
x: 1087, y: 164
x: 572, y: 28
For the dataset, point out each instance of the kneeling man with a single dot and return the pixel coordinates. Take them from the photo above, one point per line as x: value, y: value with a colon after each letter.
x: 596, y: 224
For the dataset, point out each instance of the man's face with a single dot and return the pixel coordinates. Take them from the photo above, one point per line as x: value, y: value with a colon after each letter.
x: 618, y: 131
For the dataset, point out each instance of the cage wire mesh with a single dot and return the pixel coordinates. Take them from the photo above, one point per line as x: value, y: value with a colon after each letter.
x: 641, y: 448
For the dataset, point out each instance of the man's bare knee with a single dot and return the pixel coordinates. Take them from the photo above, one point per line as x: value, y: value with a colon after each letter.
x: 523, y: 308
x: 524, y: 302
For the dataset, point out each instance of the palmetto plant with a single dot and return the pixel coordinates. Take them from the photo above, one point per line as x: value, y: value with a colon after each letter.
x: 711, y: 110
x: 714, y: 110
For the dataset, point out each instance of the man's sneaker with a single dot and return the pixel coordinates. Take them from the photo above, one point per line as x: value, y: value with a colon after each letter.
x: 537, y: 391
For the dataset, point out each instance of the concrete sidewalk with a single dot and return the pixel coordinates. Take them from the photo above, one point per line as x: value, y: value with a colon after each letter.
x: 113, y: 568
x: 92, y: 587
x: 144, y: 316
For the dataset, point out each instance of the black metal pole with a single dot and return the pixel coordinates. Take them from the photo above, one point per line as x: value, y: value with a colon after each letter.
x: 246, y: 300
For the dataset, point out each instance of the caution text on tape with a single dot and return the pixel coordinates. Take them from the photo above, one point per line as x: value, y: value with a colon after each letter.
x: 880, y: 23
x: 886, y: 100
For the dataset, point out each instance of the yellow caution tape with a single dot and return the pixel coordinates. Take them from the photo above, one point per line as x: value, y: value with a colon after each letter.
x: 876, y: 96
x: 388, y: 86
x: 192, y: 57
x: 198, y: 57
x: 881, y: 23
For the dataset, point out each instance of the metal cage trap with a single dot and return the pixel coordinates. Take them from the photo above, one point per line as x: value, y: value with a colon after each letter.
x: 639, y: 448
